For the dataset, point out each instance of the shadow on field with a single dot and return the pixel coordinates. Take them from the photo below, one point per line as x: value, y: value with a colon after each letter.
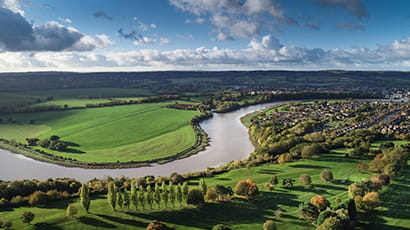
x: 329, y: 186
x: 95, y: 222
x: 231, y: 213
x: 308, y: 166
x: 74, y: 151
x: 45, y: 226
x: 123, y: 221
x: 268, y: 171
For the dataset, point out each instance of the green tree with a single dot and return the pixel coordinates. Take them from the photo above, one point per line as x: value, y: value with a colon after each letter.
x: 326, y: 175
x: 185, y: 190
x: 305, y: 179
x: 141, y: 196
x: 112, y: 195
x: 150, y: 197
x: 203, y: 185
x: 172, y: 194
x: 126, y: 199
x: 195, y: 197
x: 85, y: 197
x: 27, y: 217
x: 71, y: 211
x: 157, y: 195
x: 120, y: 199
x: 179, y: 194
x: 273, y: 180
x: 134, y: 194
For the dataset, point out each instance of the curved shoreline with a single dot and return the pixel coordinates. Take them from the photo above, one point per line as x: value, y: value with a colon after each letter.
x: 202, y: 141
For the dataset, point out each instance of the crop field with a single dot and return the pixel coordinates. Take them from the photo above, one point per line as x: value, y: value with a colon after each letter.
x: 124, y: 133
x: 239, y: 214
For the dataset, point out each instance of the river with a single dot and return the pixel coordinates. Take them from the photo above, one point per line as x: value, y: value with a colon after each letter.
x: 229, y: 141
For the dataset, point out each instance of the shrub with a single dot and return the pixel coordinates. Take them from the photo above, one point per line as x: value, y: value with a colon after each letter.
x: 71, y: 211
x: 27, y: 217
x: 247, y: 188
x: 323, y: 216
x: 355, y: 189
x: 305, y: 179
x: 6, y: 224
x: 273, y: 180
x: 283, y: 158
x: 211, y: 194
x: 331, y: 223
x: 156, y: 225
x: 358, y: 200
x: 38, y: 198
x: 308, y: 211
x: 195, y: 197
x: 308, y: 151
x: 326, y: 175
x: 320, y: 202
x: 269, y: 225
x: 371, y: 200
x: 221, y: 227
x: 269, y: 186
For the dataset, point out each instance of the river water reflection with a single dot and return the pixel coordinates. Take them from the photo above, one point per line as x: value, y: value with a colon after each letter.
x: 229, y: 141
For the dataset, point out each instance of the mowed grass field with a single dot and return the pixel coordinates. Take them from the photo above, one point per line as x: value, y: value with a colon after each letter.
x: 109, y: 134
x: 24, y: 98
x: 240, y: 214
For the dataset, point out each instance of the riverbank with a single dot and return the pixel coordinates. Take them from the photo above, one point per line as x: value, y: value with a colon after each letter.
x: 202, y: 141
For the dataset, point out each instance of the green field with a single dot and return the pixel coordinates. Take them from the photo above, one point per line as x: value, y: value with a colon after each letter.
x: 109, y: 134
x: 24, y: 98
x: 240, y: 214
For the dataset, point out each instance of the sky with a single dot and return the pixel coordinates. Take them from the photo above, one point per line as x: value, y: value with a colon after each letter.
x: 151, y: 35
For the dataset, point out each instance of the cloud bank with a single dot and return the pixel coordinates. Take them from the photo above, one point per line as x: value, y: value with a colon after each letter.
x: 265, y: 53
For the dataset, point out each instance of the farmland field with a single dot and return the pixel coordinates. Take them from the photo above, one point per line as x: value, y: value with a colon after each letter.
x: 110, y: 134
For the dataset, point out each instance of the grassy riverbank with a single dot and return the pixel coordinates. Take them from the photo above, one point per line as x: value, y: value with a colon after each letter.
x: 122, y: 133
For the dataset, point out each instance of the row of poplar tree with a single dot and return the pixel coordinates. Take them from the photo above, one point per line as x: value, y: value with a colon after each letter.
x: 139, y: 197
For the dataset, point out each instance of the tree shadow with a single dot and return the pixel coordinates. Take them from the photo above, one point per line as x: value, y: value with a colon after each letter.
x: 95, y: 222
x: 308, y: 166
x: 268, y: 171
x: 330, y: 187
x: 70, y: 150
x: 45, y: 226
x: 123, y: 221
x: 224, y: 179
x: 68, y: 143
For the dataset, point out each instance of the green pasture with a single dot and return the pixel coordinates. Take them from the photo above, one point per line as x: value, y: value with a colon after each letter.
x: 109, y: 134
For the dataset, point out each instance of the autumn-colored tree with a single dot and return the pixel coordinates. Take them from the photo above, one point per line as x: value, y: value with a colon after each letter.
x: 247, y: 188
x: 371, y: 200
x: 320, y: 202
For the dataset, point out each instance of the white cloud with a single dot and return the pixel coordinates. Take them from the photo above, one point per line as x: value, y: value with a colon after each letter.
x: 144, y: 41
x: 163, y: 41
x: 12, y: 5
x: 234, y: 18
x: 66, y: 20
x: 266, y: 53
x: 153, y: 26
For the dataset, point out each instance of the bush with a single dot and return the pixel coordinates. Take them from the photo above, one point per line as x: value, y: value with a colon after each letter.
x: 247, y: 188
x: 308, y: 151
x: 371, y: 200
x: 27, y: 217
x: 38, y: 198
x: 221, y: 227
x: 305, y: 179
x: 331, y: 223
x: 326, y: 175
x: 6, y: 224
x: 320, y: 202
x: 71, y: 211
x: 211, y: 194
x: 323, y: 216
x: 308, y: 211
x: 355, y: 189
x: 269, y: 225
x: 273, y: 180
x: 195, y: 197
x: 156, y: 225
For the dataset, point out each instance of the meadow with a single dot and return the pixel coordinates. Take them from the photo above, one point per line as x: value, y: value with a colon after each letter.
x: 240, y: 213
x: 122, y: 133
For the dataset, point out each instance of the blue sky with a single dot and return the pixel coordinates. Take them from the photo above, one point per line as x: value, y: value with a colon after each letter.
x: 129, y: 35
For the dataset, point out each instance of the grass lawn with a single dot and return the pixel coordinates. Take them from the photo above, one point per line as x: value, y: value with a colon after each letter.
x: 239, y: 214
x: 124, y: 133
